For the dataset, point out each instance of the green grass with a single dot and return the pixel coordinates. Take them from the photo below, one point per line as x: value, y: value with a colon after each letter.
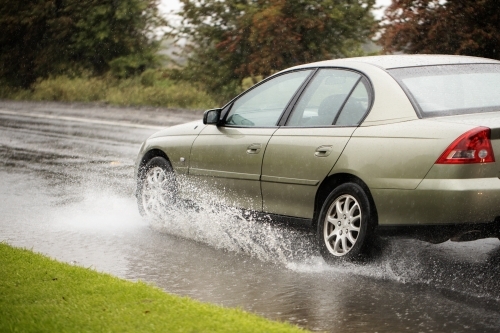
x: 38, y: 294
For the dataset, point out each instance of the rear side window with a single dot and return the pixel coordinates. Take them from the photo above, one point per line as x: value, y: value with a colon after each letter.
x: 451, y: 89
x: 356, y: 106
x: 333, y: 97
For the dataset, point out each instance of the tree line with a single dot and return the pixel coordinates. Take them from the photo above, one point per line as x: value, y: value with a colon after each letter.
x: 52, y: 37
x: 226, y: 41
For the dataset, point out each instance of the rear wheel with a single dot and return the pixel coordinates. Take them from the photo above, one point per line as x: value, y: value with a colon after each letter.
x: 345, y: 224
x: 156, y: 188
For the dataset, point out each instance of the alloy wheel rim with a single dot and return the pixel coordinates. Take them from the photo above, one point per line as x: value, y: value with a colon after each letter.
x: 156, y: 192
x: 342, y: 225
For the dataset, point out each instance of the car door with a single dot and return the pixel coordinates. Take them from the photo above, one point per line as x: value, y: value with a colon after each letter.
x: 227, y: 159
x: 301, y: 153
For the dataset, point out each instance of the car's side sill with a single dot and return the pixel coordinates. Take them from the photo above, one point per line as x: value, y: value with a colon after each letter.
x: 291, y: 221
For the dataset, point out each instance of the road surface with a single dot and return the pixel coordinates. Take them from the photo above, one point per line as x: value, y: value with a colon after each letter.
x: 66, y: 180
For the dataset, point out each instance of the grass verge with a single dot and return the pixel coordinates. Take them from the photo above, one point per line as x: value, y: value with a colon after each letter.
x: 150, y: 89
x: 38, y: 294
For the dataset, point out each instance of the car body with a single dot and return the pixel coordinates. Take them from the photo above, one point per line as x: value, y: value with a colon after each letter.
x: 401, y: 144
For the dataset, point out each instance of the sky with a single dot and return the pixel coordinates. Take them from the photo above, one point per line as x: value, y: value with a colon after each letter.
x: 167, y: 6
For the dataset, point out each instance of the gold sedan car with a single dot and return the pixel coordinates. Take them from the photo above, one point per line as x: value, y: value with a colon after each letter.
x: 401, y: 144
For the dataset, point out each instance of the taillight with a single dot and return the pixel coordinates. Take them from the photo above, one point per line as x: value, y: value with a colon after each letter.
x: 473, y: 146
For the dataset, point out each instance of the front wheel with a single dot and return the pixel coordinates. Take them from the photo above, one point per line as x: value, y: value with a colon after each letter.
x: 156, y: 188
x: 345, y: 223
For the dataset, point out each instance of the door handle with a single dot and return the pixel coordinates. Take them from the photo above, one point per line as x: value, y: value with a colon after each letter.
x: 323, y: 151
x: 254, y: 148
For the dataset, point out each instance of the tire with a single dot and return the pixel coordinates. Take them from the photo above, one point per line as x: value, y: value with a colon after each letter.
x: 345, y: 224
x: 156, y: 188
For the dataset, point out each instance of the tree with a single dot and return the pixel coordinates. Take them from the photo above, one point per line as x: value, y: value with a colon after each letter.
x: 466, y: 27
x: 50, y: 37
x: 233, y: 39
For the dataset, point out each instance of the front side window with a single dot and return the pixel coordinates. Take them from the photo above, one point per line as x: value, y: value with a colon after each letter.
x: 333, y: 97
x: 263, y: 105
x: 451, y: 89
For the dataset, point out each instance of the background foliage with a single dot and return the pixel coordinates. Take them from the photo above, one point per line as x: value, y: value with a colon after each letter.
x: 151, y: 88
x: 232, y: 39
x: 42, y: 38
x: 107, y: 50
x: 467, y: 27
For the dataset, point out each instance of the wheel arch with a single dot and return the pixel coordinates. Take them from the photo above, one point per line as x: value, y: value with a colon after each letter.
x: 331, y: 182
x: 155, y: 152
x: 148, y: 156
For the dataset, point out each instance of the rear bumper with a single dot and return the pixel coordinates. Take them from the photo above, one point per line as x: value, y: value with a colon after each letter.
x: 440, y: 202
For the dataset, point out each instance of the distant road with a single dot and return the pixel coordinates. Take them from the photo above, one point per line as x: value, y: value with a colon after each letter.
x: 139, y: 117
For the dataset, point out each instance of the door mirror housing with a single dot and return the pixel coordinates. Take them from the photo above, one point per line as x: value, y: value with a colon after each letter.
x: 212, y: 117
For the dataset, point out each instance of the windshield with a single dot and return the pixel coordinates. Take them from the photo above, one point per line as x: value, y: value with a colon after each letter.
x: 451, y: 89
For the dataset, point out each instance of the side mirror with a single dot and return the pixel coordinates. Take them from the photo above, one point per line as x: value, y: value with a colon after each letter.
x: 212, y: 117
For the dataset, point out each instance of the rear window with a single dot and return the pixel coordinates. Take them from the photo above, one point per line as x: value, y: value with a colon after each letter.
x: 451, y: 89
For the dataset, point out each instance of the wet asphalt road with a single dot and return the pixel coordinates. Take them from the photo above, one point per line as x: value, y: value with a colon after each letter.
x: 66, y: 190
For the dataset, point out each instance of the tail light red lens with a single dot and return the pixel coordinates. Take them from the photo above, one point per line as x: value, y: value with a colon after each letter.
x: 473, y: 146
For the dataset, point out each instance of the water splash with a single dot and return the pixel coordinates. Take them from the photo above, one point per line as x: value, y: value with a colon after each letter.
x: 231, y: 229
x: 211, y: 220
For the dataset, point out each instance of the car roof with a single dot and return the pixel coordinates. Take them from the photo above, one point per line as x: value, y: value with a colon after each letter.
x: 406, y: 60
